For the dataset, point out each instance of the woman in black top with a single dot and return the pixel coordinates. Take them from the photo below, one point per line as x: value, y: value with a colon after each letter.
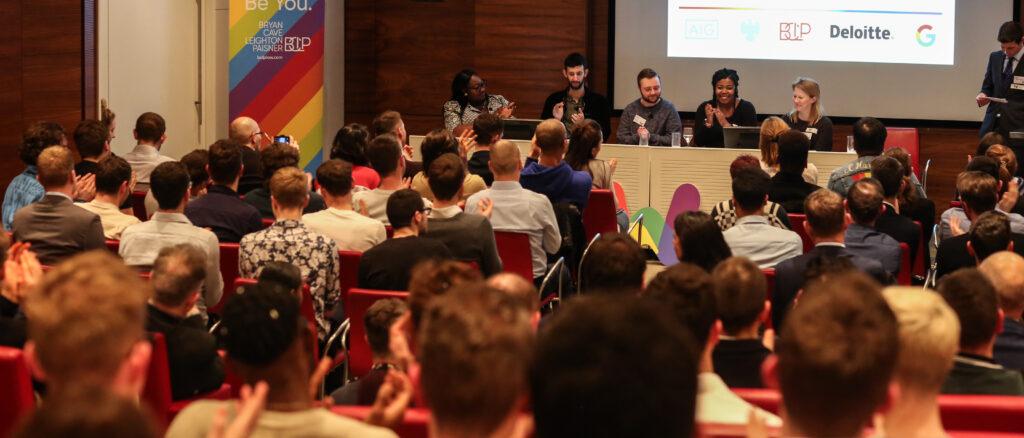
x: 807, y: 115
x: 724, y: 109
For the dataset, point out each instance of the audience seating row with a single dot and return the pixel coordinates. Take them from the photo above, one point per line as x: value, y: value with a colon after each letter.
x: 157, y: 392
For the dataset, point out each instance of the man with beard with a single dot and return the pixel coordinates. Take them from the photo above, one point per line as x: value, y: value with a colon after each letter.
x: 650, y: 117
x: 577, y: 102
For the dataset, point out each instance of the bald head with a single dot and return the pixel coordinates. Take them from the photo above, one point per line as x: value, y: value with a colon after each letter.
x: 505, y: 161
x: 242, y: 129
x: 516, y: 286
x: 1005, y: 270
x: 550, y: 135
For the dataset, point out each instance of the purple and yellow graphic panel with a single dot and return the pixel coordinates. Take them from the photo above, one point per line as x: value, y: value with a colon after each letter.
x: 276, y: 70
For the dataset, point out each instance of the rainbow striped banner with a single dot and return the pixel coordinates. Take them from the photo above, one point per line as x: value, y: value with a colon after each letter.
x: 276, y: 70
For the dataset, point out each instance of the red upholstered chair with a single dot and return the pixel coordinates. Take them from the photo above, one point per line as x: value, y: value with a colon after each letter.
x: 767, y: 399
x: 414, y: 423
x: 797, y: 221
x: 905, y: 267
x: 157, y: 392
x: 599, y: 216
x: 139, y: 205
x: 348, y: 271
x: 17, y: 399
x: 907, y: 139
x: 919, y: 268
x: 356, y: 303
x: 516, y: 255
x: 620, y: 196
x: 268, y: 222
x: 228, y: 271
x: 991, y: 413
x: 114, y: 246
x: 389, y: 231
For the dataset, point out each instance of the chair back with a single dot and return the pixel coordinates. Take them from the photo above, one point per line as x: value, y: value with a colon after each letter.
x: 599, y: 216
x: 905, y: 267
x: 990, y: 413
x: 228, y: 271
x: 906, y: 138
x: 348, y: 271
x: 515, y: 252
x: 17, y: 400
x: 356, y: 303
x: 620, y: 197
x: 797, y: 220
x: 919, y: 268
x: 767, y: 399
x: 414, y: 423
x: 114, y: 246
x: 157, y: 392
x: 268, y: 222
x: 139, y: 205
x: 769, y: 289
x: 389, y: 231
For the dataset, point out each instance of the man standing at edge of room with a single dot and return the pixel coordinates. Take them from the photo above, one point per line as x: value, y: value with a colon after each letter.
x: 1001, y: 81
x: 650, y: 116
x: 583, y: 102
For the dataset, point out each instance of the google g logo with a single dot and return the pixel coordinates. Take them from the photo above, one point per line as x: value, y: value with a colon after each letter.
x: 925, y: 39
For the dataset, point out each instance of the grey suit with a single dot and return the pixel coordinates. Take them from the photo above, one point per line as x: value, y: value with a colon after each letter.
x: 57, y: 228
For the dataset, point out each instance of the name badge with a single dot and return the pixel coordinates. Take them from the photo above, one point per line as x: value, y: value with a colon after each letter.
x: 1017, y: 86
x: 1018, y: 79
x: 639, y: 120
x: 808, y: 134
x: 812, y: 131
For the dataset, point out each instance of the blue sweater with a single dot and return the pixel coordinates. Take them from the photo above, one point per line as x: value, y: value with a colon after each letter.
x: 559, y: 183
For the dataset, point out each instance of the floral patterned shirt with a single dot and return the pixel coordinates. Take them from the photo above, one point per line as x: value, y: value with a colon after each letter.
x: 316, y: 256
x: 455, y: 116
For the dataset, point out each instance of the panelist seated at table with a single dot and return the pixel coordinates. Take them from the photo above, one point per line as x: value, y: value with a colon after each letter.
x: 470, y: 99
x: 577, y: 101
x: 724, y: 109
x: 650, y: 117
x: 808, y: 116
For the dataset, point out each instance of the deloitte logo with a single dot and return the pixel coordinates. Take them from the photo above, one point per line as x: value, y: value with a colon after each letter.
x: 924, y: 37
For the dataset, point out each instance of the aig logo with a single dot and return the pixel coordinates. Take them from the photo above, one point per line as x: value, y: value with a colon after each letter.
x: 793, y: 31
x: 925, y: 36
x: 701, y: 29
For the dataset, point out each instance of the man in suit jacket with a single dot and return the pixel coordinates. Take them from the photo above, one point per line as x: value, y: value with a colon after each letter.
x: 864, y: 202
x: 826, y: 223
x: 54, y: 225
x: 1003, y: 66
x: 889, y: 172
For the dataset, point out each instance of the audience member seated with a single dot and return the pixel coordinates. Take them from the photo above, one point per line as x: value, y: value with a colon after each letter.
x: 93, y: 143
x: 742, y: 303
x: 468, y: 236
x: 25, y: 189
x: 835, y: 359
x: 475, y: 345
x: 142, y: 242
x: 864, y: 202
x: 516, y: 209
x: 390, y: 122
x: 990, y: 233
x: 724, y: 213
x: 889, y: 173
x: 789, y: 187
x: 698, y: 240
x: 279, y: 354
x: 350, y: 230
x: 1007, y: 169
x: 378, y: 320
x: 350, y: 145
x: 274, y: 157
x: 388, y: 265
x: 288, y: 240
x: 869, y: 142
x: 976, y: 305
x: 85, y: 325
x: 614, y: 264
x: 149, y: 131
x: 548, y: 174
x: 979, y: 193
x: 432, y: 278
x: 1005, y: 270
x: 437, y: 143
x: 196, y: 163
x: 519, y: 287
x: 929, y: 333
x: 489, y: 129
x: 584, y: 145
x: 221, y: 210
x: 113, y: 179
x: 990, y: 138
x: 21, y: 273
x: 687, y: 290
x: 246, y: 132
x: 771, y: 137
x: 913, y: 202
x: 195, y: 367
x: 88, y: 411
x: 283, y: 275
x: 628, y: 359
x: 54, y: 226
x: 385, y: 155
x: 826, y: 224
x: 753, y: 236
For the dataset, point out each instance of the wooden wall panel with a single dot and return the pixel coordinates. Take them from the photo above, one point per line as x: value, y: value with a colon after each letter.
x: 11, y: 94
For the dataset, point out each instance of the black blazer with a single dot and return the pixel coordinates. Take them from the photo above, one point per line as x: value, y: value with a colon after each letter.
x: 952, y: 253
x: 57, y: 229
x: 789, y: 277
x: 192, y: 359
x: 790, y: 191
x: 1001, y: 117
x: 901, y: 228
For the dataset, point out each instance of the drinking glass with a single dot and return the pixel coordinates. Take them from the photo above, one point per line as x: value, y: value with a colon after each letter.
x: 688, y: 134
x: 675, y: 139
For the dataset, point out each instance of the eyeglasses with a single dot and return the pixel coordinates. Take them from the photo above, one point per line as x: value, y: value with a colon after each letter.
x: 427, y: 210
x: 482, y: 85
x: 262, y: 134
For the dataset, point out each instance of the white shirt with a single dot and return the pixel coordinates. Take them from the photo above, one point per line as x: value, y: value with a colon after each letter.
x: 351, y: 231
x: 143, y: 159
x: 522, y: 211
x: 446, y: 212
x: 114, y: 222
x: 717, y: 404
x: 377, y: 203
x: 753, y: 237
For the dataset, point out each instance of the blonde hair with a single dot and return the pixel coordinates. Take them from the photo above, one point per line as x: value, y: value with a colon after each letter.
x: 106, y: 114
x: 1005, y: 270
x: 288, y: 186
x: 811, y: 87
x: 85, y: 316
x: 929, y: 337
x: 770, y: 131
